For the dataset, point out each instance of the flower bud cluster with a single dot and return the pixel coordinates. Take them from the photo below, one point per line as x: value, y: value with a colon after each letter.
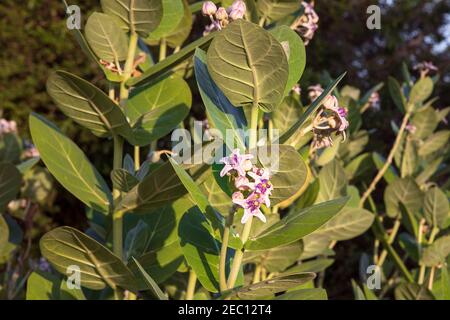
x: 307, y: 24
x: 221, y: 17
x: 7, y: 126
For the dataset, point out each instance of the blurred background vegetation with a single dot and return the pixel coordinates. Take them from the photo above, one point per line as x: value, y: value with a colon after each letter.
x: 34, y: 41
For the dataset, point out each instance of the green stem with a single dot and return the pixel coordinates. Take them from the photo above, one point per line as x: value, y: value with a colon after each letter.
x: 388, y: 162
x: 223, y: 252
x: 262, y: 21
x: 391, y: 239
x: 128, y: 69
x: 380, y: 233
x: 237, y: 261
x: 137, y: 158
x: 190, y: 290
x: 162, y: 49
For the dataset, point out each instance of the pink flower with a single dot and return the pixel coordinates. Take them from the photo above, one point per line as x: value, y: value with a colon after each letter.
x: 242, y: 183
x: 209, y: 8
x: 251, y: 205
x: 236, y: 162
x: 262, y: 185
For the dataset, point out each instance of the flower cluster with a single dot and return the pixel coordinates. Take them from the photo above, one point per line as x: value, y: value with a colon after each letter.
x: 7, y: 126
x: 307, y: 24
x: 330, y: 118
x: 425, y: 67
x: 253, y: 184
x: 221, y: 17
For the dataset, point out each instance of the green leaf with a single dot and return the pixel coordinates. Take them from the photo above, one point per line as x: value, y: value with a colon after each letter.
x: 65, y: 246
x: 296, y: 54
x: 69, y: 165
x: 333, y: 182
x: 222, y: 114
x: 10, y: 148
x: 162, y: 249
x: 66, y: 293
x: 216, y: 197
x: 171, y: 61
x: 410, y: 158
x: 304, y: 294
x: 4, y: 232
x: 425, y: 121
x: 359, y: 166
x: 200, y: 248
x: 311, y: 110
x: 390, y: 175
x: 106, y: 38
x: 296, y: 225
x: 277, y: 259
x: 421, y: 90
x: 150, y: 283
x: 277, y: 9
x: 160, y: 187
x: 396, y: 93
x: 357, y: 292
x: 42, y: 286
x: 434, y: 143
x: 316, y: 265
x: 123, y: 180
x: 437, y: 252
x: 270, y: 287
x: 157, y: 109
x: 412, y: 291
x: 405, y: 191
x: 249, y: 65
x: 28, y: 164
x: 10, y: 181
x: 182, y: 30
x: 309, y: 197
x: 172, y: 14
x: 347, y: 224
x: 87, y: 105
x: 110, y: 75
x: 288, y: 171
x: 445, y: 283
x: 286, y: 114
x: 140, y: 16
x: 436, y: 207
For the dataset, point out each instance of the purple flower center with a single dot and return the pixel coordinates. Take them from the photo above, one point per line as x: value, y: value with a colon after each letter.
x: 342, y: 112
x: 253, y: 204
x: 262, y: 186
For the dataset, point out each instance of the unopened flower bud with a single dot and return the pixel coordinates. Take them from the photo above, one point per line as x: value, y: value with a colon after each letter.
x: 236, y: 14
x: 221, y: 14
x: 237, y: 196
x: 238, y: 5
x: 247, y: 165
x: 241, y: 183
x: 209, y: 8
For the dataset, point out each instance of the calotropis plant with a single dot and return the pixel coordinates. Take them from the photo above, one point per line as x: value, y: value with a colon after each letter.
x: 166, y: 229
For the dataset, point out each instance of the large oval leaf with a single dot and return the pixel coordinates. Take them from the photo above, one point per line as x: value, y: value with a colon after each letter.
x: 296, y: 54
x: 437, y: 252
x: 249, y: 65
x: 434, y: 143
x: 69, y: 165
x: 405, y: 191
x: 65, y: 247
x: 10, y: 181
x: 304, y: 294
x: 436, y: 207
x: 286, y: 114
x: 106, y: 39
x: 333, y: 182
x: 177, y: 37
x: 288, y: 170
x: 271, y: 286
x: 157, y: 109
x: 296, y: 225
x: 172, y: 14
x: 160, y: 187
x: 140, y: 16
x: 347, y: 224
x: 87, y: 105
x: 277, y: 9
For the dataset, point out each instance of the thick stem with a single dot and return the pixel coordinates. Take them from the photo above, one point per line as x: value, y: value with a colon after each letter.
x: 237, y: 261
x: 223, y: 252
x: 431, y: 278
x: 190, y: 290
x: 137, y: 158
x: 162, y: 49
x: 257, y: 274
x: 128, y: 69
x: 388, y: 162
